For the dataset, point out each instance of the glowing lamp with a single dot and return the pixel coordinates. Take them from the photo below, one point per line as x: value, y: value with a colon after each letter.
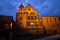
x: 32, y: 23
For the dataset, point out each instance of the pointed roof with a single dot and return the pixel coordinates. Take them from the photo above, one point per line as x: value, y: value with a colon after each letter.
x: 29, y: 5
x: 21, y: 5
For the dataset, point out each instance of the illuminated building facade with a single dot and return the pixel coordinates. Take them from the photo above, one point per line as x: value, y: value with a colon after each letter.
x: 28, y: 18
x: 51, y: 23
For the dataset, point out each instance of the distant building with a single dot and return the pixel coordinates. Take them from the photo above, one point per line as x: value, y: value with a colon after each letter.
x: 28, y: 18
x: 6, y: 22
x: 50, y: 22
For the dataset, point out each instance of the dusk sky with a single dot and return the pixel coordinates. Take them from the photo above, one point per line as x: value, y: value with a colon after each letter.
x: 44, y: 7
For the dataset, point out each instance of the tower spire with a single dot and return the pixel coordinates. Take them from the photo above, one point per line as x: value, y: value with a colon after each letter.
x: 21, y: 5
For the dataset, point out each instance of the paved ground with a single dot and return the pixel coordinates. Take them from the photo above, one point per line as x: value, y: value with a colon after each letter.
x: 27, y: 37
x: 54, y: 37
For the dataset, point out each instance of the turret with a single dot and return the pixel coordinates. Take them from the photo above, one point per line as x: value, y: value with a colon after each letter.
x: 21, y: 7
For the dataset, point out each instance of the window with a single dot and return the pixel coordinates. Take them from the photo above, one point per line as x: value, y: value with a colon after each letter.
x: 31, y: 17
x: 27, y: 23
x: 47, y: 19
x: 34, y: 12
x: 32, y: 23
x: 50, y: 19
x: 20, y: 18
x: 31, y: 13
x: 21, y: 9
x: 21, y: 13
x: 20, y: 23
x: 35, y: 17
x: 29, y: 9
x: 36, y: 24
x: 55, y: 19
x: 24, y: 12
x: 28, y: 17
x: 6, y: 26
x: 59, y: 18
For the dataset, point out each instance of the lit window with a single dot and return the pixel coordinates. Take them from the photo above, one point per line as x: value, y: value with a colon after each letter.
x: 32, y: 23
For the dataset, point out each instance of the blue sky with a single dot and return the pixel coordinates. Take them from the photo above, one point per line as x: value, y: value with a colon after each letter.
x: 44, y: 7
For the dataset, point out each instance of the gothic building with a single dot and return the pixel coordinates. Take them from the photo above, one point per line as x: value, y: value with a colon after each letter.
x: 28, y: 18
